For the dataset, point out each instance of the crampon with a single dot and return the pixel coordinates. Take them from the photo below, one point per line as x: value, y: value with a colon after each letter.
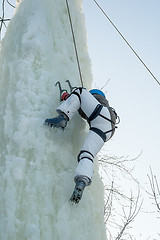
x: 77, y: 193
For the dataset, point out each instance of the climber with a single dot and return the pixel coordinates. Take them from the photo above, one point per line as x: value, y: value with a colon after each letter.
x: 94, y: 107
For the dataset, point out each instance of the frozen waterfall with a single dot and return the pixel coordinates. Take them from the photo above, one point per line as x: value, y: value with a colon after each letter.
x: 37, y: 164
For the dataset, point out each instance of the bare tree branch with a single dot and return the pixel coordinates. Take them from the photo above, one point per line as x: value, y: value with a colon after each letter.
x: 133, y: 212
x: 3, y: 20
x: 10, y: 4
x: 120, y: 210
x: 155, y: 189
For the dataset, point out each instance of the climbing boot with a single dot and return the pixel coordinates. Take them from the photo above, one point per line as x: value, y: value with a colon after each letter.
x: 59, y: 122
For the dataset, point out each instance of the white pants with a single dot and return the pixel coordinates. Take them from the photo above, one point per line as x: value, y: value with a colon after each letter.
x: 82, y: 98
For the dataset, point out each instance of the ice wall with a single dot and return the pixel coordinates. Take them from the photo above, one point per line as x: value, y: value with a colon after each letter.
x: 37, y: 163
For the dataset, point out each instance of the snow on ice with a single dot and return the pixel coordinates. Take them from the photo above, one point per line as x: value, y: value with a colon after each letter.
x: 37, y: 164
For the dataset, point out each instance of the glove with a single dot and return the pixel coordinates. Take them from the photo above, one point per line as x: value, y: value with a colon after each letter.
x: 64, y: 96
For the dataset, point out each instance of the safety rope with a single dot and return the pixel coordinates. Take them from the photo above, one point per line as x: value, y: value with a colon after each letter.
x: 74, y: 41
x: 127, y: 42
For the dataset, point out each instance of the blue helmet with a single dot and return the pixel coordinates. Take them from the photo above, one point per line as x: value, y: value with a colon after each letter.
x: 97, y: 91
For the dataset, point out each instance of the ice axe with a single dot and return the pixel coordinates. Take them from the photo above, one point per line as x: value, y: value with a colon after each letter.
x: 64, y: 90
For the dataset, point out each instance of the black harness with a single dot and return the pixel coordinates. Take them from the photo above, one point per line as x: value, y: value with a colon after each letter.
x: 96, y: 113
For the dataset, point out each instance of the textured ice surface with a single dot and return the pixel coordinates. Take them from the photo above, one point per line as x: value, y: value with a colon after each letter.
x: 37, y: 164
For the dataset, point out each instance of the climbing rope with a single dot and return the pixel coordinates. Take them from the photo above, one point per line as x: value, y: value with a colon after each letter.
x: 74, y: 41
x: 127, y: 42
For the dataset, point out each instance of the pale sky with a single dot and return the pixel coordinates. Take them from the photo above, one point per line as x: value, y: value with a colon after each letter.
x: 131, y: 90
